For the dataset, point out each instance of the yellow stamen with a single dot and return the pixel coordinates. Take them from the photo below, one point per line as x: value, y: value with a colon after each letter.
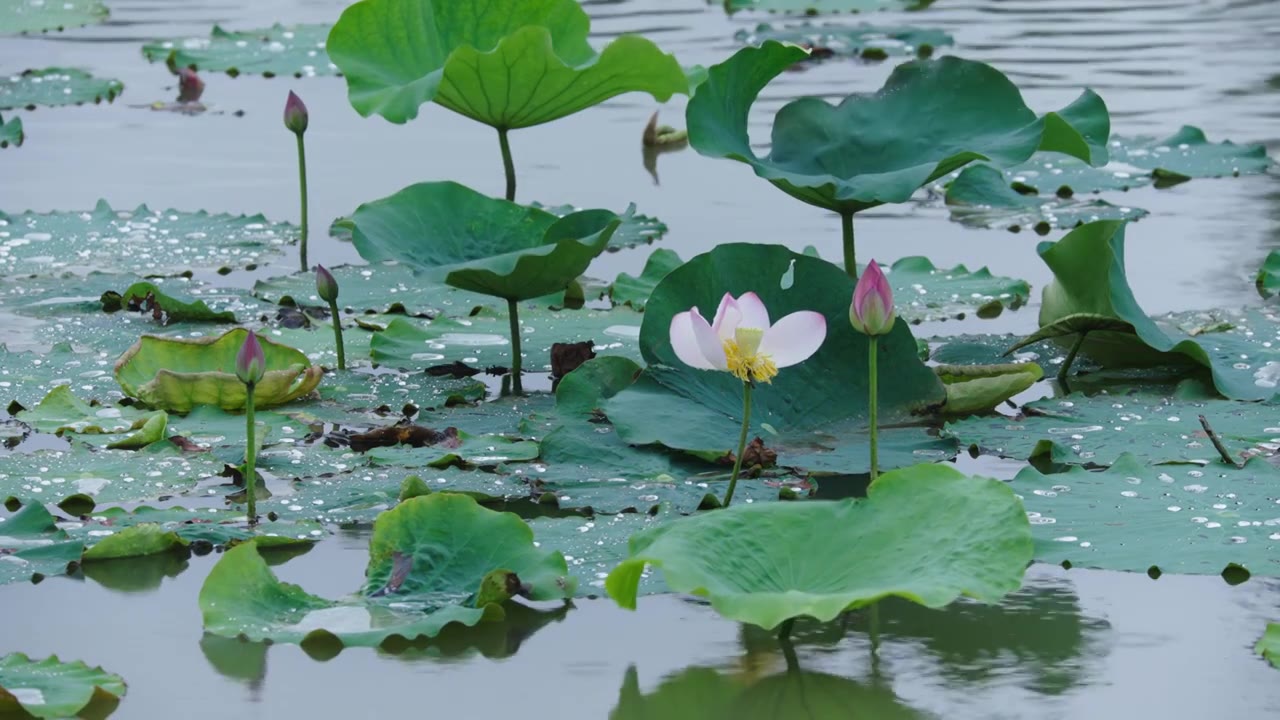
x: 744, y: 359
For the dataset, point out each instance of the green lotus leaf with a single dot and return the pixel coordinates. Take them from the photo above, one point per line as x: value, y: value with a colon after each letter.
x: 870, y: 41
x: 179, y: 374
x: 981, y: 197
x: 1269, y: 645
x: 508, y: 66
x: 52, y: 87
x: 927, y: 533
x: 11, y: 132
x: 976, y: 389
x: 635, y: 291
x: 1269, y: 275
x: 105, y: 476
x: 146, y: 297
x: 135, y: 541
x: 62, y: 412
x: 31, y: 16
x: 799, y: 415
x: 1089, y: 277
x: 1173, y: 518
x: 34, y: 547
x: 358, y: 495
x: 636, y: 229
x: 431, y: 561
x: 146, y: 242
x: 1156, y: 425
x: 387, y: 289
x: 879, y: 148
x: 51, y: 688
x: 813, y: 7
x: 597, y: 544
x: 296, y: 50
x: 147, y: 530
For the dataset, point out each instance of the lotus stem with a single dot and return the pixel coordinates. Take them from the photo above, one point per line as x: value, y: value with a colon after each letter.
x: 513, y: 309
x: 302, y: 184
x: 873, y: 627
x: 507, y: 164
x: 788, y: 649
x: 850, y: 252
x: 1217, y: 443
x: 742, y: 443
x: 1065, y: 370
x: 250, y: 456
x: 337, y: 334
x: 873, y: 404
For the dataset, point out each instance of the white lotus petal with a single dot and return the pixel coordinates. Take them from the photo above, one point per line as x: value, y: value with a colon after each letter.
x: 709, y: 343
x: 728, y: 317
x: 754, y: 313
x: 685, y: 342
x: 794, y: 338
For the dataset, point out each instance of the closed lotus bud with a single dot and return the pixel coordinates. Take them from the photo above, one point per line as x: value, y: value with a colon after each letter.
x: 295, y: 114
x: 251, y: 362
x: 190, y: 86
x: 872, y: 309
x: 326, y: 285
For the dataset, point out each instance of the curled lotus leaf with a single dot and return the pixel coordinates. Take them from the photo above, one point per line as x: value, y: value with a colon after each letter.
x: 927, y: 533
x: 51, y: 688
x: 976, y: 389
x: 178, y: 374
x: 879, y: 148
x: 508, y: 65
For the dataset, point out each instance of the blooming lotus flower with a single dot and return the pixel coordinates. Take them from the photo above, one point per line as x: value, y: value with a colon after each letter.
x: 295, y: 114
x: 326, y: 285
x: 251, y: 362
x: 742, y: 341
x: 872, y: 311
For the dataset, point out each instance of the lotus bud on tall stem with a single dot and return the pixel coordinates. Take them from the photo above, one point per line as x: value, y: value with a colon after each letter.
x: 296, y: 120
x: 872, y: 313
x: 327, y: 288
x: 251, y: 364
x: 744, y: 343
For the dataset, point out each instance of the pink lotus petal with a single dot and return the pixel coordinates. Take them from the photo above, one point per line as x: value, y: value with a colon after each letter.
x: 685, y: 342
x: 728, y: 317
x: 794, y: 338
x: 709, y: 342
x: 754, y: 313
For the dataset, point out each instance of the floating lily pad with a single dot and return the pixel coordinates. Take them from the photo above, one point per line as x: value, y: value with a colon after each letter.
x: 1149, y: 424
x: 813, y: 7
x: 376, y: 289
x: 142, y: 241
x: 358, y: 496
x: 359, y: 399
x: 1269, y: 275
x: 982, y: 197
x: 217, y: 526
x: 26, y: 377
x: 593, y: 546
x: 1173, y: 518
x: 505, y: 66
x: 31, y: 16
x: 51, y: 688
x: 1089, y: 277
x: 62, y: 412
x: 635, y: 229
x: 796, y: 415
x: 146, y: 297
x: 468, y: 449
x: 52, y: 87
x: 33, y: 548
x: 881, y: 40
x: 296, y: 50
x: 11, y: 132
x: 106, y: 476
x: 635, y: 291
x: 926, y: 533
x: 924, y: 292
x: 432, y: 562
x: 1269, y: 646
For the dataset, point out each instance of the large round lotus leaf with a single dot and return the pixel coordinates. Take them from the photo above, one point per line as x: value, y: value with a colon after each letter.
x: 813, y: 7
x: 880, y: 148
x: 1269, y: 646
x: 142, y: 241
x: 1175, y: 518
x: 1155, y: 425
x: 427, y: 560
x: 27, y: 16
x: 51, y: 688
x: 813, y: 414
x: 177, y: 375
x: 502, y: 64
x: 1269, y: 275
x: 981, y: 197
x: 885, y: 40
x: 33, y: 547
x: 927, y: 533
x: 1089, y: 277
x: 11, y: 132
x: 55, y: 86
x: 107, y: 476
x: 296, y: 50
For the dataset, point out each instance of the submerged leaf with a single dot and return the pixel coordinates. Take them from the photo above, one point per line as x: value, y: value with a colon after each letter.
x: 51, y: 688
x: 296, y: 50
x: 52, y: 87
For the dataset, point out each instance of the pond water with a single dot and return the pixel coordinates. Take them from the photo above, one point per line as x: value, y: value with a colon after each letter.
x: 1071, y: 644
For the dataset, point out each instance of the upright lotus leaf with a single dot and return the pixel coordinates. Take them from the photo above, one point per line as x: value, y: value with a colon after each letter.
x: 51, y: 688
x: 52, y: 87
x: 296, y: 50
x: 636, y: 228
x: 873, y: 42
x: 1089, y: 277
x: 11, y: 132
x: 32, y: 16
x: 433, y: 560
x: 178, y: 374
x: 813, y: 414
x: 33, y: 547
x: 880, y: 148
x: 1147, y: 518
x: 927, y: 533
x: 635, y: 291
x: 982, y: 197
x: 1269, y: 645
x: 1269, y: 275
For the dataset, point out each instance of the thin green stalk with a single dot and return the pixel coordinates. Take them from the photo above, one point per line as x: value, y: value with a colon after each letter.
x: 507, y: 164
x: 337, y: 334
x: 788, y: 649
x: 1065, y: 370
x: 873, y: 402
x: 517, y: 386
x: 742, y: 443
x: 250, y: 457
x: 873, y: 626
x: 850, y: 253
x: 302, y: 183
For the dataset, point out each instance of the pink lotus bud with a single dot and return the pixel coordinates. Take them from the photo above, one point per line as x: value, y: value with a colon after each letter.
x: 326, y: 285
x: 295, y: 114
x: 872, y: 310
x: 251, y: 362
x: 190, y: 86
